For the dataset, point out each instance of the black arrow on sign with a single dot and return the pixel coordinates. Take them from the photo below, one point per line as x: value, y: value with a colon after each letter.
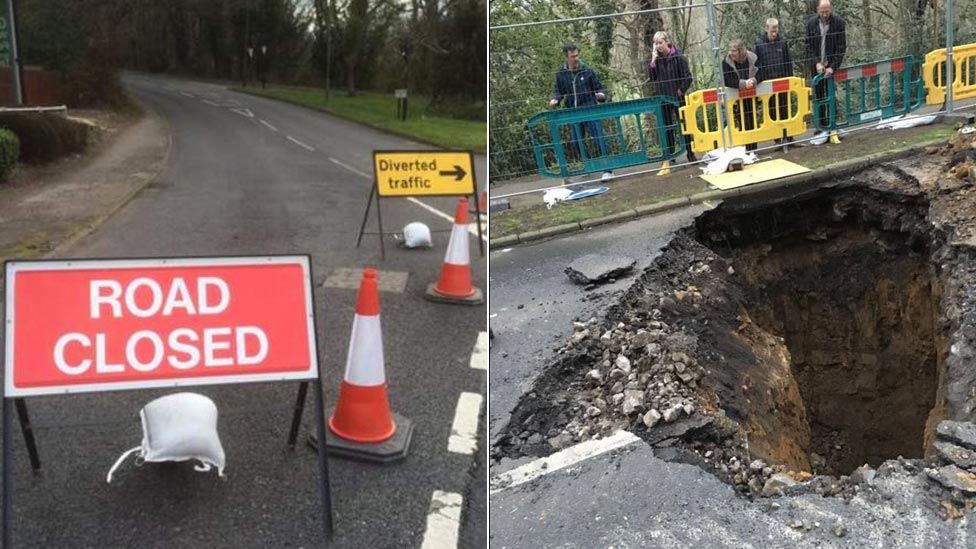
x: 458, y: 173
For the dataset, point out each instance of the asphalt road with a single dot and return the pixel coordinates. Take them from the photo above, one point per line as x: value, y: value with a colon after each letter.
x: 248, y: 175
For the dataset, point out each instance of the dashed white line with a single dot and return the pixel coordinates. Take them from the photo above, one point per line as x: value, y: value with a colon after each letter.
x: 244, y: 112
x: 350, y: 168
x: 473, y: 229
x: 268, y: 125
x: 211, y: 103
x: 443, y: 521
x: 464, y: 429
x: 479, y: 356
x: 300, y: 144
x: 559, y: 460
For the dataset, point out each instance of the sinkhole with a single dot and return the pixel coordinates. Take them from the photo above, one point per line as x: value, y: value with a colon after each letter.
x: 832, y: 343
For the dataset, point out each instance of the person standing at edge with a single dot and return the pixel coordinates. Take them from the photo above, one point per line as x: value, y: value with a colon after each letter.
x: 739, y: 70
x: 773, y: 58
x: 669, y: 71
x: 580, y: 86
x: 826, y: 46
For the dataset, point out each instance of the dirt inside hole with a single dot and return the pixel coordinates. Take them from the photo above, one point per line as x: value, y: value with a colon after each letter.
x: 841, y: 314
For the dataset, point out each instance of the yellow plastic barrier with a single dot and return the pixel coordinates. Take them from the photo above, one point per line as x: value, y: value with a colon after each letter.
x: 700, y: 117
x: 963, y: 74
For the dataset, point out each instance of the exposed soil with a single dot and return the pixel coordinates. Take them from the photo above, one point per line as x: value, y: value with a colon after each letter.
x: 798, y: 336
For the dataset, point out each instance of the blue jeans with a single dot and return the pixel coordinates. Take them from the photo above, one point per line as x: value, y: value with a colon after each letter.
x: 591, y: 128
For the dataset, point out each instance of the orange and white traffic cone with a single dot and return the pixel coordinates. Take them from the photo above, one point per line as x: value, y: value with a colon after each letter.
x: 361, y: 425
x: 454, y: 284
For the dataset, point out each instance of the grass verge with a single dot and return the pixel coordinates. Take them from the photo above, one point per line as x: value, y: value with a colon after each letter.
x: 630, y: 193
x: 379, y: 111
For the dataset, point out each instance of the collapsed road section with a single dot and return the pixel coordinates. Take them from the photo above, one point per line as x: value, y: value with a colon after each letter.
x: 793, y: 342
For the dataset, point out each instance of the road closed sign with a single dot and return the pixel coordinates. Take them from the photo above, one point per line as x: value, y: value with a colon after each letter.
x: 424, y: 173
x: 99, y: 325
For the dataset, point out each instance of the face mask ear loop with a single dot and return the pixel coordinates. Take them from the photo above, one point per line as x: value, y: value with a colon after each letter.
x: 119, y: 461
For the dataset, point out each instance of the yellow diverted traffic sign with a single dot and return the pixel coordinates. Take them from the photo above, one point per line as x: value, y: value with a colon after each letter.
x: 424, y: 173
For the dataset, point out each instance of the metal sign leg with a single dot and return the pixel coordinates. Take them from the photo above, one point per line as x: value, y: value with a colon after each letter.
x: 8, y: 485
x: 379, y: 221
x: 296, y: 419
x: 25, y: 427
x: 362, y: 227
x: 327, y: 524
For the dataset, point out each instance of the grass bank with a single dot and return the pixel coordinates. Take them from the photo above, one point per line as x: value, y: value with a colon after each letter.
x: 379, y: 111
x: 630, y: 193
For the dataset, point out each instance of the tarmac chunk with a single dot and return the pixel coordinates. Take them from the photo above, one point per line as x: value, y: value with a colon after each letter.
x: 596, y: 268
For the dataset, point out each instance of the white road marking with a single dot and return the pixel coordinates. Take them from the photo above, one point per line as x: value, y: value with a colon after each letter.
x: 187, y: 94
x: 464, y: 430
x: 211, y: 103
x: 350, y: 168
x: 244, y: 112
x: 443, y: 521
x: 268, y: 125
x: 479, y: 356
x: 473, y: 229
x: 300, y: 144
x: 560, y: 460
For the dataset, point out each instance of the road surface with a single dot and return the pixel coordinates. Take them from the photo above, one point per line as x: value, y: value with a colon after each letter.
x: 248, y: 175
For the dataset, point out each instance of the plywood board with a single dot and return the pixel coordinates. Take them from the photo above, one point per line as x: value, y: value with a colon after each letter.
x: 755, y: 173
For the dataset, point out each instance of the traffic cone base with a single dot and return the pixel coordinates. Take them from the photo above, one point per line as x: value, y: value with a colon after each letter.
x: 476, y: 297
x: 391, y: 450
x: 366, y: 414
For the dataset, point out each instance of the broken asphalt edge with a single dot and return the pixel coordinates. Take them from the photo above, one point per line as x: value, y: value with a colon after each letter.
x: 819, y: 175
x: 88, y: 228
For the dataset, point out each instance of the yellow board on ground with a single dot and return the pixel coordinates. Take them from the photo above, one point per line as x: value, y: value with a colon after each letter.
x: 424, y: 173
x: 755, y: 173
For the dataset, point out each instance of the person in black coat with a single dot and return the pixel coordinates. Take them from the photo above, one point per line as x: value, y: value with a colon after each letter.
x: 579, y: 86
x: 740, y: 71
x: 826, y: 46
x: 669, y: 72
x: 774, y: 60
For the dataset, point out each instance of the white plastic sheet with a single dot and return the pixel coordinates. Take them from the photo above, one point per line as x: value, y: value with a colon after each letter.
x: 416, y: 235
x: 553, y: 196
x: 904, y: 122
x: 179, y: 427
x: 717, y: 161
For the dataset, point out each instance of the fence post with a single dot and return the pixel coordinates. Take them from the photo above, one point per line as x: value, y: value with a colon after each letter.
x: 723, y: 114
x: 950, y: 66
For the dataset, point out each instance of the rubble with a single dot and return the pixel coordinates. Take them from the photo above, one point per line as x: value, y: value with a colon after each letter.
x: 956, y: 455
x: 954, y: 478
x: 957, y: 432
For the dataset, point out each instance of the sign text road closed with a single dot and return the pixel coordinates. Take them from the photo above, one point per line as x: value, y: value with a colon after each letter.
x: 424, y: 173
x: 98, y: 325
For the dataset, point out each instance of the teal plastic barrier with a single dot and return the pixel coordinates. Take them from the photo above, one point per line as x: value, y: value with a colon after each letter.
x: 568, y: 142
x: 871, y: 92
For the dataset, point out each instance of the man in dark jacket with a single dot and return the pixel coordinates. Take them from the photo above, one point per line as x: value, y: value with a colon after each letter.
x: 773, y: 58
x: 579, y: 86
x: 669, y: 72
x: 740, y: 71
x: 826, y: 46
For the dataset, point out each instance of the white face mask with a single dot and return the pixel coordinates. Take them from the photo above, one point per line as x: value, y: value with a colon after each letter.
x: 179, y: 427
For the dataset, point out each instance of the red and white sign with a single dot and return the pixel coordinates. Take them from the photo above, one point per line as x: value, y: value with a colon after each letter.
x: 101, y: 325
